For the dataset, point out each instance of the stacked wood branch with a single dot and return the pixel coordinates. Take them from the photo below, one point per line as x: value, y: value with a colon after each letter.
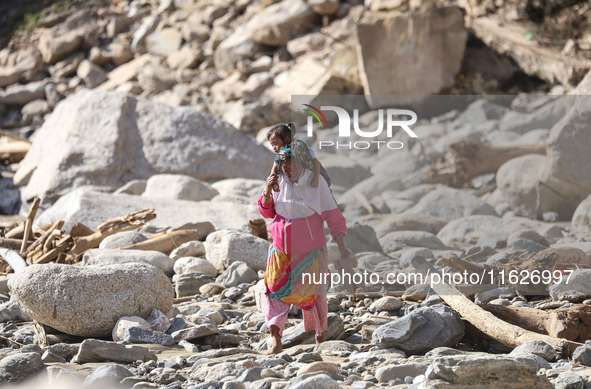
x: 468, y: 158
x: 13, y: 151
x: 50, y: 243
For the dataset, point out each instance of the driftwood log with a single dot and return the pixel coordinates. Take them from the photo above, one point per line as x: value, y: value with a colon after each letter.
x: 165, y: 242
x: 573, y: 323
x: 125, y: 223
x: 28, y: 226
x: 468, y: 158
x: 497, y: 329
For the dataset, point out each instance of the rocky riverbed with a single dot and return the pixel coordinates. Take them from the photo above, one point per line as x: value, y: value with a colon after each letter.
x: 163, y: 106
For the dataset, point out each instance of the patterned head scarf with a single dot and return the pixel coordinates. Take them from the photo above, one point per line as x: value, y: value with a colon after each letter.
x: 300, y: 153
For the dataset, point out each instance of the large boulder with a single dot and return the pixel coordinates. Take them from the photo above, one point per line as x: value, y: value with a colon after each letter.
x: 235, y: 48
x: 429, y: 50
x: 448, y: 204
x: 178, y: 187
x: 224, y: 247
x: 277, y: 23
x: 139, y: 138
x: 422, y: 330
x: 88, y: 301
x: 528, y: 186
x: 64, y: 38
x: 533, y: 184
x: 93, y: 208
x: 479, y: 370
x: 568, y: 146
x: 484, y: 228
x: 19, y: 366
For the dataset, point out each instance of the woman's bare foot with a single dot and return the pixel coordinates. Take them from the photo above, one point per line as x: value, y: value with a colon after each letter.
x: 277, y: 347
x: 319, y: 339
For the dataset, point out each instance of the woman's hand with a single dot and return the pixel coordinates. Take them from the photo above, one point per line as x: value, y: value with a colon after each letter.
x: 271, y: 180
x: 340, y: 239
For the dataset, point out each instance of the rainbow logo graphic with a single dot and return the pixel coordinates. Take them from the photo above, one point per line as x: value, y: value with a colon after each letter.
x: 315, y: 112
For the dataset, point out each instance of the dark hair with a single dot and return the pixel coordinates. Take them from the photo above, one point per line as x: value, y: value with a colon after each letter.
x: 285, y: 132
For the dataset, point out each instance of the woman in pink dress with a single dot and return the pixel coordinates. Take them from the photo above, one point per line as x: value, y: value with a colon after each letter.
x: 297, y: 269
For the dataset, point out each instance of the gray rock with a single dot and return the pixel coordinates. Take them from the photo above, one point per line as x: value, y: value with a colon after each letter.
x: 579, y: 283
x: 178, y: 187
x: 388, y: 373
x: 278, y: 22
x: 335, y: 347
x: 223, y: 340
x: 158, y: 321
x: 114, y: 114
x: 94, y: 350
x: 314, y: 382
x: 186, y: 265
x: 193, y: 248
x: 489, y: 295
x: 224, y: 247
x: 64, y: 350
x: 463, y: 229
x: 479, y: 369
x: 10, y: 311
x: 22, y: 94
x: 407, y: 255
x: 190, y: 347
x: 104, y: 257
x: 570, y: 380
x: 362, y: 238
x: 17, y: 367
x: 122, y: 239
x: 126, y: 322
x: 582, y: 355
x: 445, y: 37
x: 142, y: 335
x: 206, y: 373
x: 196, y: 332
x: 449, y: 204
x: 537, y: 347
x: 50, y: 357
x: 164, y: 42
x: 236, y: 274
x: 398, y: 239
x: 421, y: 330
x: 344, y: 171
x: 517, y: 181
x: 133, y: 187
x: 10, y: 202
x: 567, y: 144
x: 92, y: 298
x: 387, y: 303
x: 93, y: 208
x: 189, y: 284
x: 235, y: 48
x: 214, y: 314
x: 107, y: 375
x: 91, y: 74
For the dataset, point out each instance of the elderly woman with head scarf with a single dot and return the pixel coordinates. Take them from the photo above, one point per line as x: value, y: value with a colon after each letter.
x: 297, y: 268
